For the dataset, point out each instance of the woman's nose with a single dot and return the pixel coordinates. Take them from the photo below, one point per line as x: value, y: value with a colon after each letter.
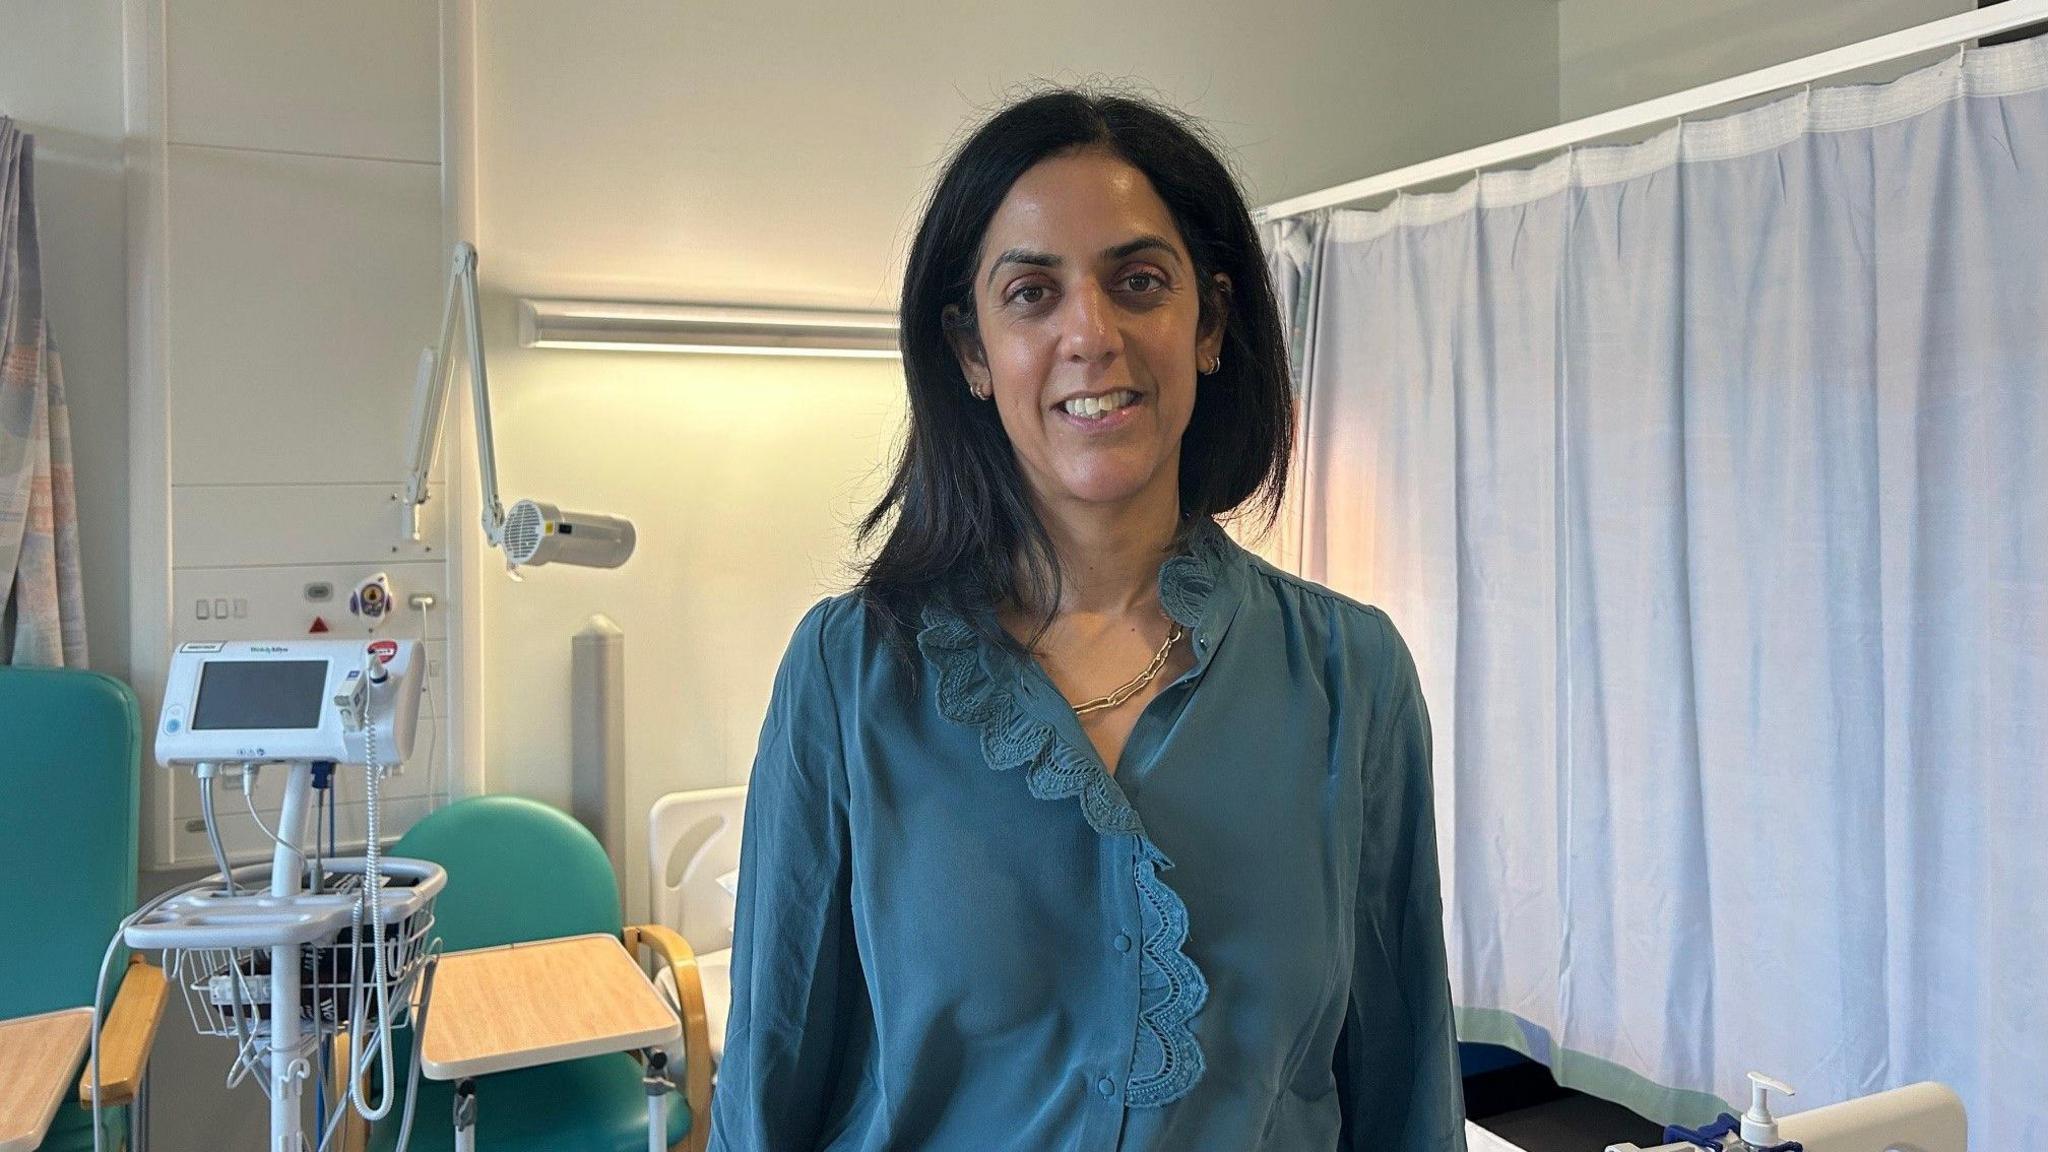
x: 1089, y: 325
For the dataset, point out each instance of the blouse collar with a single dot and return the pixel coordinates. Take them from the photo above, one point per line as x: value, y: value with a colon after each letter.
x: 1202, y: 585
x: 1200, y: 588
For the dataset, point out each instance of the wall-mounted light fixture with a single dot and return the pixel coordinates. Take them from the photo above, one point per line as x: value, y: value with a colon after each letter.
x: 532, y: 533
x: 714, y: 329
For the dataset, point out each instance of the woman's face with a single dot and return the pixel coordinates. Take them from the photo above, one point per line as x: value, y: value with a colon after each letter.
x: 1085, y: 292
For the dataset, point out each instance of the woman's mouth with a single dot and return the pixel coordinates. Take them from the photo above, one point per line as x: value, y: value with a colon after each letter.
x: 1100, y: 413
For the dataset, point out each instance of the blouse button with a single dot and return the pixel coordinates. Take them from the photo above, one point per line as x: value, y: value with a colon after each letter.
x: 1123, y: 942
x: 1106, y: 1086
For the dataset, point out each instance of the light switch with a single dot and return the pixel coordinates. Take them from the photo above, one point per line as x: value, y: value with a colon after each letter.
x: 200, y: 610
x: 241, y: 608
x: 220, y: 607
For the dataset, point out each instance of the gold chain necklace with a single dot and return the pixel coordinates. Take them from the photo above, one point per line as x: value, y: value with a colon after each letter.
x: 1143, y: 678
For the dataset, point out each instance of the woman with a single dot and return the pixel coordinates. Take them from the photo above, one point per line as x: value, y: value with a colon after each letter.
x: 1075, y: 825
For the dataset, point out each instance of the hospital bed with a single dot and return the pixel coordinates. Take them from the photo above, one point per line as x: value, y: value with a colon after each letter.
x: 693, y: 859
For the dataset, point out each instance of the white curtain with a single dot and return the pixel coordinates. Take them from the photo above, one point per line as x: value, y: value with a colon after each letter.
x: 1708, y: 478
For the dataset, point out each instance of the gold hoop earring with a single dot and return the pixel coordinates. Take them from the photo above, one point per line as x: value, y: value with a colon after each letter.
x: 1215, y: 365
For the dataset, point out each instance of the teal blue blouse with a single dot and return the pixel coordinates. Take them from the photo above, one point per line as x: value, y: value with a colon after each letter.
x: 956, y: 930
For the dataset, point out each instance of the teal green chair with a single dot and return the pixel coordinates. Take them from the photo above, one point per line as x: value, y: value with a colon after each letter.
x: 70, y: 785
x: 519, y: 870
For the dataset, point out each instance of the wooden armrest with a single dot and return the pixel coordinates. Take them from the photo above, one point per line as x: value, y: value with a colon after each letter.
x: 354, y: 1135
x: 128, y: 1034
x: 682, y: 965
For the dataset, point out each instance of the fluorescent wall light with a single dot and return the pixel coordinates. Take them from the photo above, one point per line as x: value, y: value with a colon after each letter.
x: 706, y: 329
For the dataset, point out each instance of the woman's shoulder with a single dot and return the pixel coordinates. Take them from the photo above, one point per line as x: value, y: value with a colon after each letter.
x: 1288, y: 588
x: 828, y: 628
x: 840, y: 634
x: 1375, y: 646
x: 841, y: 656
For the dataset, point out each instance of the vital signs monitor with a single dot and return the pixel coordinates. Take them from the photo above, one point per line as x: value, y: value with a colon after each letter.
x: 346, y: 701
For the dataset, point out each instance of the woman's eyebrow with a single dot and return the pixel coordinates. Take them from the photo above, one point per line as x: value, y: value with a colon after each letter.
x: 1142, y: 243
x: 1048, y: 260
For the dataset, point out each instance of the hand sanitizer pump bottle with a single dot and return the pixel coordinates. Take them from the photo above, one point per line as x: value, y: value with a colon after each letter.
x: 1759, y: 1127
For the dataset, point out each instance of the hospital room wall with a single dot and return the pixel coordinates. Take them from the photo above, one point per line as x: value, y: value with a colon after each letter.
x: 285, y: 181
x: 60, y: 79
x: 1616, y: 52
x: 776, y: 153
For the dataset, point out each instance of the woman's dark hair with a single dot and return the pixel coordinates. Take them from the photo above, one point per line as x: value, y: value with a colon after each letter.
x: 963, y: 518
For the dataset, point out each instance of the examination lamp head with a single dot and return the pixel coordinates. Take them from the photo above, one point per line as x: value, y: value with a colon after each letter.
x: 537, y: 533
x: 532, y: 533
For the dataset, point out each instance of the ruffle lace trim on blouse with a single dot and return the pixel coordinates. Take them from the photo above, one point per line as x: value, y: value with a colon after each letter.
x: 1167, y: 1060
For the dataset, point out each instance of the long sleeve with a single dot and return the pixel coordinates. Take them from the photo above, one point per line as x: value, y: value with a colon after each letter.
x: 1397, y: 1066
x: 799, y: 1001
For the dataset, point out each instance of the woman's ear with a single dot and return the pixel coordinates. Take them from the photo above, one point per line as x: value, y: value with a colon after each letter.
x: 966, y: 345
x: 1215, y: 317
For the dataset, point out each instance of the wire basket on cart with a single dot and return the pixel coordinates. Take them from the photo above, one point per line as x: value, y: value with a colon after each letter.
x: 217, y: 949
x: 336, y: 973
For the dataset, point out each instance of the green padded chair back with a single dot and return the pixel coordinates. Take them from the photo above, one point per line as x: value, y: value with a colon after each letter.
x: 517, y: 870
x: 70, y: 792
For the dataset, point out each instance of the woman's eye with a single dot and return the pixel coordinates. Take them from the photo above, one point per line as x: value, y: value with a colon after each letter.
x: 1156, y: 281
x: 1018, y: 295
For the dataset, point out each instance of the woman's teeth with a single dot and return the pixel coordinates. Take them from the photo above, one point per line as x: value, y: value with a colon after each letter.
x: 1088, y: 407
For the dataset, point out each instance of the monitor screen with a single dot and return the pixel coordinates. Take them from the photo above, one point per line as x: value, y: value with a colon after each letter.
x: 260, y: 694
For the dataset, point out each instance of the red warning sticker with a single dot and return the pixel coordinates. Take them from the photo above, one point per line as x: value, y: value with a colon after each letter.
x: 384, y: 650
x: 319, y: 626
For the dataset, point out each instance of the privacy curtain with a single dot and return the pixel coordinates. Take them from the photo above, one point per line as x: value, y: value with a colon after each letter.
x: 42, y: 598
x: 1708, y: 479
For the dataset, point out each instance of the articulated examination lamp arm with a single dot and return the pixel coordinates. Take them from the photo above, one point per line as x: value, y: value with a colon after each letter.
x: 430, y: 394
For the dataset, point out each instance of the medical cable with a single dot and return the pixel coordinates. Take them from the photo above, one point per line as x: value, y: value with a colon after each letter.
x: 419, y: 1022
x: 243, y: 1037
x: 248, y: 782
x: 244, y: 1013
x: 323, y: 814
x: 323, y: 795
x: 332, y: 839
x: 99, y: 989
x: 323, y: 817
x: 320, y: 1091
x: 367, y: 1053
x: 373, y: 882
x: 431, y: 962
x: 421, y: 601
x: 205, y: 772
